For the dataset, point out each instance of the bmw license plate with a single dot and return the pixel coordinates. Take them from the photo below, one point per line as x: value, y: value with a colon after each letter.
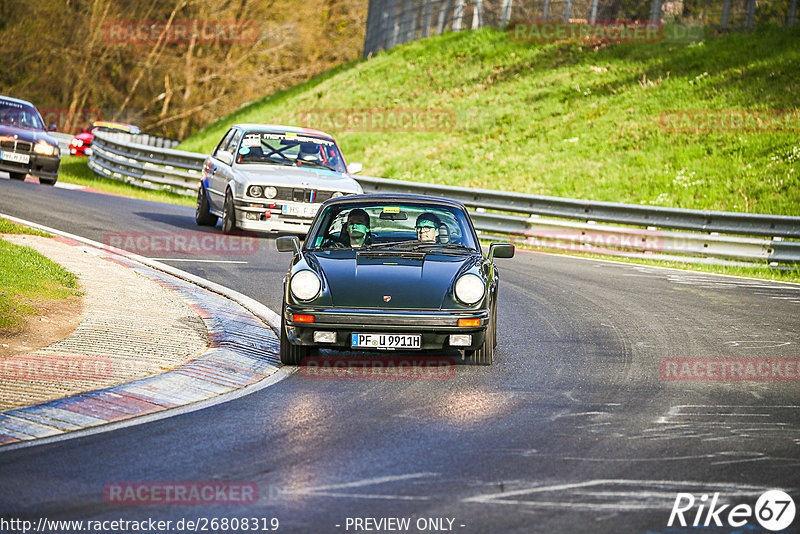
x: 386, y: 341
x: 299, y: 210
x: 16, y: 158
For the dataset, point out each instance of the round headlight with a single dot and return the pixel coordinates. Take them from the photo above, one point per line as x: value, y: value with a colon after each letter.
x: 255, y: 190
x: 337, y: 194
x: 305, y: 285
x: 44, y: 148
x: 270, y: 192
x: 469, y: 289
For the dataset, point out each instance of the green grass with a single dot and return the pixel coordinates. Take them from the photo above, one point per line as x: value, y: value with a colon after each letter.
x: 28, y: 279
x: 9, y: 227
x: 568, y: 119
x: 75, y: 170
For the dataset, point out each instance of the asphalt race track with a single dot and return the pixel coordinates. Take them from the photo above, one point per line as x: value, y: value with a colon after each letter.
x: 573, y: 429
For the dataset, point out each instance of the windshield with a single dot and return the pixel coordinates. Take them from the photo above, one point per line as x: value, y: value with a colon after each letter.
x: 407, y: 226
x: 287, y: 148
x: 20, y: 115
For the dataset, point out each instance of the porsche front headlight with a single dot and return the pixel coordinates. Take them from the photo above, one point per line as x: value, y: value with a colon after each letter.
x: 469, y: 289
x: 305, y: 285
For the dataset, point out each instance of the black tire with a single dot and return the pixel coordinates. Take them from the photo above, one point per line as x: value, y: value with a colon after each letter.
x: 48, y: 181
x: 494, y: 325
x: 291, y: 354
x: 483, y: 354
x: 228, y: 214
x: 202, y: 214
x: 17, y: 175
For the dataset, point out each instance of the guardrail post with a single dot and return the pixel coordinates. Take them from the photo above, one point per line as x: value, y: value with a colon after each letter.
x: 792, y: 14
x: 546, y: 10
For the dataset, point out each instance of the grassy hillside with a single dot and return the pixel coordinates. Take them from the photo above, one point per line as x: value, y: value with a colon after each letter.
x: 568, y: 119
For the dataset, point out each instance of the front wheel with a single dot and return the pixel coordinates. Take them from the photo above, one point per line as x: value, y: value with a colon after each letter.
x: 202, y: 214
x: 483, y: 354
x: 291, y: 354
x: 17, y: 175
x: 228, y: 214
x: 48, y: 181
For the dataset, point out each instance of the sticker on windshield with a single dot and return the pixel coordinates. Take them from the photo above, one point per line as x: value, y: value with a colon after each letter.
x: 251, y: 140
x: 244, y: 151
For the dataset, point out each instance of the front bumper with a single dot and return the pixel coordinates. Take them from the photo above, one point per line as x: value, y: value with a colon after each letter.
x: 261, y: 217
x: 434, y: 327
x: 39, y: 166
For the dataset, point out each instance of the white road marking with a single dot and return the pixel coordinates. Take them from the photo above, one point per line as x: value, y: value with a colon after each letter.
x: 196, y: 260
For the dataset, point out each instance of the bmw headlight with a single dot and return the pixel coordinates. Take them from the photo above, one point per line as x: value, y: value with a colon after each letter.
x: 270, y: 192
x: 305, y: 285
x: 44, y: 148
x: 255, y: 191
x: 469, y: 289
x: 337, y: 194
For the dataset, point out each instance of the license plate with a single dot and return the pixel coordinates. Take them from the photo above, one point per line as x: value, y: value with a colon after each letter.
x: 16, y: 158
x: 300, y: 210
x: 386, y: 341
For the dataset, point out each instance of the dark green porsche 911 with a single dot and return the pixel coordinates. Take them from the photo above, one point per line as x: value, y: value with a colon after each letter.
x: 391, y: 273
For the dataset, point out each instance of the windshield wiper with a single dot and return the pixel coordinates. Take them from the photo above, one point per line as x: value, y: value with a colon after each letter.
x: 390, y: 244
x: 452, y: 246
x: 299, y: 161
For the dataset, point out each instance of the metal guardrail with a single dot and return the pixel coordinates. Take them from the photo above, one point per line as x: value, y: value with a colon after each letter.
x: 532, y: 219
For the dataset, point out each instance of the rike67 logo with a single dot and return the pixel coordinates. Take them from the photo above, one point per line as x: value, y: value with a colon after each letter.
x: 774, y: 511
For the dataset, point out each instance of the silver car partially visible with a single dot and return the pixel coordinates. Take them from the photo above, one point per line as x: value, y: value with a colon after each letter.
x: 270, y: 178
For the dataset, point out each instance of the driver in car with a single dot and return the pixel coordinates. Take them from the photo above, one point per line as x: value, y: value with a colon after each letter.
x: 355, y: 232
x: 427, y: 227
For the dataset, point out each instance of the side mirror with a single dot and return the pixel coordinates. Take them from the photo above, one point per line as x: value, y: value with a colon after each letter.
x: 51, y: 128
x: 288, y: 244
x: 501, y: 250
x: 355, y: 167
x: 225, y: 157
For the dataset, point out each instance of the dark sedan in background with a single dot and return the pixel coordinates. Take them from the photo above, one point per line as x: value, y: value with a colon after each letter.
x: 391, y: 272
x: 25, y: 146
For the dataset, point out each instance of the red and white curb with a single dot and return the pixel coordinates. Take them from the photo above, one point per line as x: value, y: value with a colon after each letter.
x: 242, y: 357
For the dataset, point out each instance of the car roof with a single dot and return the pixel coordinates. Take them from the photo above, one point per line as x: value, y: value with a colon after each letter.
x: 16, y: 100
x: 394, y: 197
x: 280, y: 128
x: 117, y: 125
